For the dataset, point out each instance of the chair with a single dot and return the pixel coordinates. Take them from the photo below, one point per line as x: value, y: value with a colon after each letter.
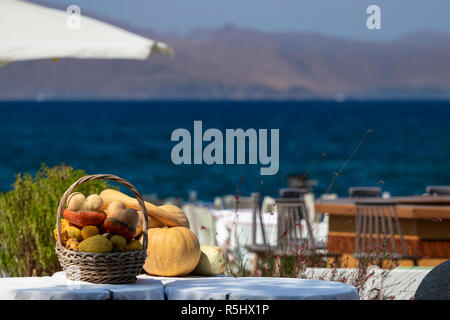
x: 290, y: 238
x: 364, y: 192
x: 290, y: 213
x: 438, y: 190
x: 375, y: 220
x: 293, y: 192
x: 257, y: 223
x: 201, y: 223
x: 268, y: 204
x: 304, y: 194
x: 229, y: 202
x: 300, y: 180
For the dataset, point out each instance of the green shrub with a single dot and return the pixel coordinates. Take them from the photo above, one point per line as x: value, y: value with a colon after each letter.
x: 28, y: 217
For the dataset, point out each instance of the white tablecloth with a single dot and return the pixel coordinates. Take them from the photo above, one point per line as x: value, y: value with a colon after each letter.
x: 148, y: 287
x: 259, y: 289
x: 235, y: 228
x: 58, y: 287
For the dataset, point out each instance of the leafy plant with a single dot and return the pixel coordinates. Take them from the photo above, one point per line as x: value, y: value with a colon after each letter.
x: 28, y: 217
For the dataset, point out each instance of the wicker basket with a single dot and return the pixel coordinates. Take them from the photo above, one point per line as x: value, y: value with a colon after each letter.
x: 117, y: 267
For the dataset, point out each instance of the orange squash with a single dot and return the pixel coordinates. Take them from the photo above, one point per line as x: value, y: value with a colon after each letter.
x: 121, y: 220
x: 171, y: 252
x: 82, y: 219
x: 158, y: 216
x: 155, y: 223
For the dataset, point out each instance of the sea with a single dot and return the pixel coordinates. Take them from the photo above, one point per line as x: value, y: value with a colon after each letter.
x: 400, y: 146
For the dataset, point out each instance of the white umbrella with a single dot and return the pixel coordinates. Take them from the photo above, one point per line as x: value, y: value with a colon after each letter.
x: 29, y: 32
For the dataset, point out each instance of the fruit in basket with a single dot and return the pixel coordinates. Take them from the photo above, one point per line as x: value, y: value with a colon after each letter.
x: 107, y: 235
x: 158, y: 216
x: 72, y: 244
x: 94, y: 203
x: 134, y: 245
x: 171, y: 252
x: 74, y: 232
x: 82, y: 211
x: 119, y: 242
x: 121, y: 220
x: 82, y: 219
x: 96, y: 243
x: 213, y: 261
x: 64, y: 225
x: 78, y: 202
x: 89, y: 231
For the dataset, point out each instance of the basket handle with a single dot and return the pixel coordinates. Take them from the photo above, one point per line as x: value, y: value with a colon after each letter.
x: 109, y: 177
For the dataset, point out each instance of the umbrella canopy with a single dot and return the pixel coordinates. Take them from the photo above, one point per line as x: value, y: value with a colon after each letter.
x: 29, y: 31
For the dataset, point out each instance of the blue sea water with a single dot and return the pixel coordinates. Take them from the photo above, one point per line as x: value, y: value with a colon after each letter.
x: 408, y: 148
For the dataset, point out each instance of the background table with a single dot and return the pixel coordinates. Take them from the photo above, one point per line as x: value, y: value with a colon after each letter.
x: 425, y: 222
x: 259, y: 289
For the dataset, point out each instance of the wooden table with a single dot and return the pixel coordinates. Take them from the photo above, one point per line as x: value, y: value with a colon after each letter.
x: 425, y: 222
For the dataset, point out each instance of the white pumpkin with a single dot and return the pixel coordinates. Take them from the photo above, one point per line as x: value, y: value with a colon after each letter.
x: 213, y: 261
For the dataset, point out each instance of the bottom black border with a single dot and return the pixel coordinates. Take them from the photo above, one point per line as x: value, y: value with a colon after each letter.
x: 223, y: 309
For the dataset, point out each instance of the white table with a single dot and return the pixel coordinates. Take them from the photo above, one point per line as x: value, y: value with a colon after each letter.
x: 58, y: 287
x: 259, y: 289
x: 235, y: 229
x: 148, y: 287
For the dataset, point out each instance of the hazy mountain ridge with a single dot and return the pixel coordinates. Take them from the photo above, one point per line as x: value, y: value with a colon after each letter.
x: 237, y: 63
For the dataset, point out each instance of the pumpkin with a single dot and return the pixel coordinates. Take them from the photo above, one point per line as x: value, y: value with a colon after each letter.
x: 158, y: 216
x: 121, y: 220
x: 213, y: 261
x: 171, y: 252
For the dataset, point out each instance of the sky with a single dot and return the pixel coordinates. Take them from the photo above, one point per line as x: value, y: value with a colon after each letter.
x: 337, y: 18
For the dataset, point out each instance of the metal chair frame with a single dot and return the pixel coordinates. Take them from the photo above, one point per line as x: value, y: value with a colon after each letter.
x: 257, y: 216
x: 371, y: 216
x: 290, y: 213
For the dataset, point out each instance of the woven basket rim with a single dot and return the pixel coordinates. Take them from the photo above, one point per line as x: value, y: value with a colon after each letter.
x: 98, y: 254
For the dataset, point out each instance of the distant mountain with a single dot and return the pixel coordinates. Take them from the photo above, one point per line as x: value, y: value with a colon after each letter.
x: 235, y: 63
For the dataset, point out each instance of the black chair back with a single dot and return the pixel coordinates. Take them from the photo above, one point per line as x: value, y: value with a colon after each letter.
x: 438, y: 190
x: 293, y: 192
x: 364, y: 192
